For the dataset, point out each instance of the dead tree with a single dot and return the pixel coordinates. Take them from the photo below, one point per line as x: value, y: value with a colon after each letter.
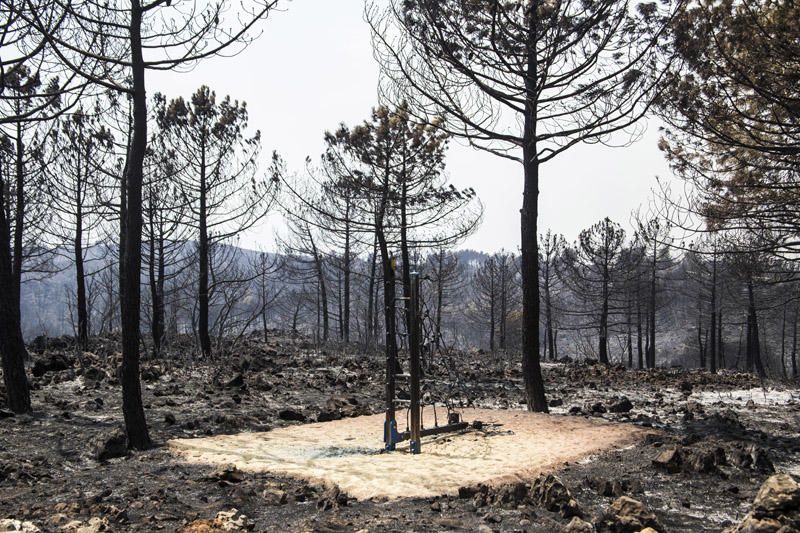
x: 218, y: 178
x: 307, y: 262
x: 564, y: 73
x: 550, y: 256
x: 654, y: 233
x: 79, y: 148
x: 264, y: 266
x: 104, y: 43
x: 380, y: 166
x: 446, y: 274
x: 594, y: 269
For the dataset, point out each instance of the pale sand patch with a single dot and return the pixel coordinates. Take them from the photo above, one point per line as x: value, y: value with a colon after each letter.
x: 513, y: 445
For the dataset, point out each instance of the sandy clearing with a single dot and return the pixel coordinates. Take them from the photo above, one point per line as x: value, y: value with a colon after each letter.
x: 513, y: 445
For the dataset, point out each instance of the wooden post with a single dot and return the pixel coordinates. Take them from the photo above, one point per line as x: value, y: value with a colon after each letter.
x: 414, y: 366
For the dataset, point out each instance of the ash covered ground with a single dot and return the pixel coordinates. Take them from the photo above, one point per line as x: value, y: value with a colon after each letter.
x: 709, y: 464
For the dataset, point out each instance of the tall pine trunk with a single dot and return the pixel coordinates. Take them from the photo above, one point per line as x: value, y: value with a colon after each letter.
x: 371, y: 330
x: 639, y: 353
x: 203, y: 296
x: 548, y: 310
x: 531, y: 365
x: 603, y: 334
x: 156, y: 274
x: 492, y: 307
x: 80, y: 276
x: 347, y: 267
x: 794, y: 342
x: 651, y: 340
x: 12, y: 346
x: 131, y: 256
x: 439, y: 304
x: 629, y: 320
x: 753, y: 342
x: 712, y: 352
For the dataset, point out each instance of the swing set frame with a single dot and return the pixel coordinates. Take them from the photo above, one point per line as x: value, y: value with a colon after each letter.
x: 415, y: 431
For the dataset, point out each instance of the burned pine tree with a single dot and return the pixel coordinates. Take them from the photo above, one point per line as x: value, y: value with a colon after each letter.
x: 165, y: 234
x: 74, y: 165
x: 26, y: 102
x: 218, y: 179
x: 384, y: 179
x: 731, y: 107
x: 105, y: 44
x: 593, y: 270
x: 446, y: 274
x: 264, y: 266
x: 654, y: 236
x: 551, y: 255
x: 307, y: 264
x: 495, y: 287
x: 525, y: 81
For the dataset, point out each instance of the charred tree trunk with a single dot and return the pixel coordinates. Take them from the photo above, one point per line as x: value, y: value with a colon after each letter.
x: 629, y: 320
x: 548, y: 313
x: 439, y: 304
x: 753, y: 342
x: 651, y: 341
x: 12, y: 346
x: 603, y: 334
x: 404, y: 252
x: 794, y: 343
x: 323, y: 290
x: 347, y: 268
x: 720, y: 345
x: 503, y: 305
x: 203, y: 296
x: 80, y: 277
x: 392, y: 365
x: 531, y: 366
x: 340, y: 304
x: 264, y: 308
x: 639, y: 353
x: 371, y: 331
x: 700, y: 344
x: 156, y: 274
x: 492, y: 307
x: 783, y: 342
x: 131, y: 257
x: 712, y: 352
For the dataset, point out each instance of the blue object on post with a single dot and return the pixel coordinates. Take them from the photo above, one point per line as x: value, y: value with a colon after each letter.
x: 390, y: 435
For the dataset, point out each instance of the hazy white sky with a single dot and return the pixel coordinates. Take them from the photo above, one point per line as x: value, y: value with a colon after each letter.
x: 312, y: 68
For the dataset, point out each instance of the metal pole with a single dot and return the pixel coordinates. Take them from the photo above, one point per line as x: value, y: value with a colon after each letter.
x: 414, y: 366
x: 390, y: 433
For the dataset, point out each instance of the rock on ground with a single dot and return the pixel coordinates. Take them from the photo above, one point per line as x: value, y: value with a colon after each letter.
x: 776, y: 508
x: 627, y: 515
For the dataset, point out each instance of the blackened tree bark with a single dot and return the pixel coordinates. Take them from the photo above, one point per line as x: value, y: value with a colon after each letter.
x: 80, y: 280
x: 131, y: 253
x: 753, y: 355
x: 639, y: 351
x: 485, y: 65
x: 119, y: 66
x: 12, y: 346
x: 202, y: 243
x: 651, y: 318
x: 794, y: 341
x: 712, y: 352
x: 156, y: 272
x: 371, y: 312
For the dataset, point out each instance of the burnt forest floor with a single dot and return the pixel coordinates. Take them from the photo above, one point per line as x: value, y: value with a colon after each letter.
x: 716, y: 439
